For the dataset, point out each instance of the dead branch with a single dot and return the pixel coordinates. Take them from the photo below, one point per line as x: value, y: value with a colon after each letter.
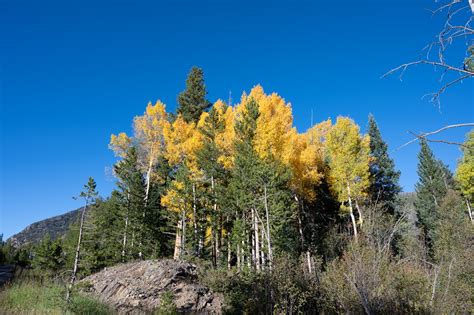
x: 426, y: 134
x: 456, y: 26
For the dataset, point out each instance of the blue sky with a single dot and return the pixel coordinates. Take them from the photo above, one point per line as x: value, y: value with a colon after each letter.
x: 72, y: 73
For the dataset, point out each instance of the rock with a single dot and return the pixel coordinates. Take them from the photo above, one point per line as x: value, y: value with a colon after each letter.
x: 138, y: 287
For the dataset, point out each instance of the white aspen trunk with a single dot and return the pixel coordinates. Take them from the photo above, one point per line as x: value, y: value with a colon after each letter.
x: 262, y: 252
x: 269, y: 243
x: 177, y: 243
x: 194, y: 218
x: 469, y: 210
x: 351, y: 213
x: 300, y: 228
x: 76, y: 258
x: 361, y: 220
x: 124, y: 242
x: 257, y: 244
x: 183, y: 233
x: 147, y: 192
x: 218, y: 250
x: 229, y: 253
x: 125, y: 230
x: 252, y: 237
x: 201, y: 242
x: 308, y: 260
x: 238, y: 257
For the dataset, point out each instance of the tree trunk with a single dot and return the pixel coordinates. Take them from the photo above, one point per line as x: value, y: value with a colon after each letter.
x: 262, y: 230
x: 229, y: 253
x: 252, y: 237
x: 351, y: 213
x: 177, y: 243
x: 125, y: 230
x: 124, y: 243
x: 195, y: 220
x: 269, y: 242
x: 147, y: 192
x: 76, y: 258
x: 469, y: 210
x: 300, y: 206
x: 361, y: 220
x: 257, y: 243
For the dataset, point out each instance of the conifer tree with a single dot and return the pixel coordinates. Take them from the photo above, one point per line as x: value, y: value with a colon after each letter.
x: 434, y: 181
x: 48, y: 256
x: 132, y: 193
x: 384, y: 187
x: 215, y: 177
x: 89, y: 194
x: 259, y: 189
x: 192, y: 101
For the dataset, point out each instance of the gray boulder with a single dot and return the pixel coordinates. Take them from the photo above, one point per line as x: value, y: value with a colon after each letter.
x: 138, y: 287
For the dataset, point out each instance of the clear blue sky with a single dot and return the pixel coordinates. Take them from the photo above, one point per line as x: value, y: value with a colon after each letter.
x: 73, y: 72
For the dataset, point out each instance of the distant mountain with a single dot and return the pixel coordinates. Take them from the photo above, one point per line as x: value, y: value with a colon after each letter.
x: 55, y: 226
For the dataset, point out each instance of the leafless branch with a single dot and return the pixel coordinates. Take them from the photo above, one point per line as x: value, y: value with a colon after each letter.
x: 426, y: 134
x: 456, y: 26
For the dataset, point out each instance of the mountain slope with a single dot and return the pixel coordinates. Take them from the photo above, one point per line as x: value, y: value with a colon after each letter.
x: 55, y: 226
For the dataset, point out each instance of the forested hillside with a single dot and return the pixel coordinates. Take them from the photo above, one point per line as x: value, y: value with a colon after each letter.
x: 56, y: 226
x: 280, y: 221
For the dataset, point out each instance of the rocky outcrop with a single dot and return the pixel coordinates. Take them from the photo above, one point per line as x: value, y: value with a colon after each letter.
x: 139, y: 287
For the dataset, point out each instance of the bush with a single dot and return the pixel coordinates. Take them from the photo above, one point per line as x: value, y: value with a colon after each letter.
x: 285, y: 290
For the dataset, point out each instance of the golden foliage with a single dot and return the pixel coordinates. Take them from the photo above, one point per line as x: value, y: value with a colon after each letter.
x: 348, y: 154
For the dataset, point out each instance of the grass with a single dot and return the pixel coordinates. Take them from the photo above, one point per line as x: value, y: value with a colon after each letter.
x: 34, y: 298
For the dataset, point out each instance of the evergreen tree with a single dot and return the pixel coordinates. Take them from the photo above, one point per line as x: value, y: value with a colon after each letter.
x: 132, y: 192
x: 102, y: 243
x: 384, y: 187
x: 215, y: 182
x: 48, y: 256
x: 192, y: 101
x: 259, y: 189
x: 89, y: 194
x: 434, y: 181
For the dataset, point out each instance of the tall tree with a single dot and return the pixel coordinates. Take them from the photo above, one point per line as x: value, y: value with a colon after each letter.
x: 348, y: 154
x: 192, y: 101
x: 214, y: 179
x: 131, y: 186
x: 89, y: 194
x: 434, y: 181
x: 465, y: 173
x: 384, y: 187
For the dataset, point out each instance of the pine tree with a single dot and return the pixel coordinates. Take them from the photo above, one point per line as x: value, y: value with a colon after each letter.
x: 48, y: 256
x: 434, y: 181
x: 132, y: 193
x: 260, y: 196
x: 192, y: 101
x: 89, y: 194
x: 384, y: 187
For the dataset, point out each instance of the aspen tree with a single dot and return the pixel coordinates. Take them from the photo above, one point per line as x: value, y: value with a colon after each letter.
x: 348, y: 153
x: 465, y: 173
x: 182, y: 142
